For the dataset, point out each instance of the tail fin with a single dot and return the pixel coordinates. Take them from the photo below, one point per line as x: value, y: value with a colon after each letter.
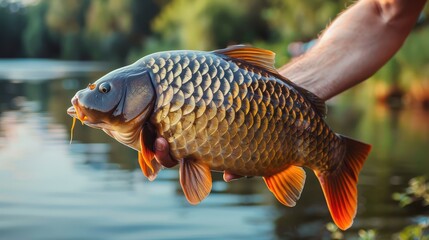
x: 339, y: 187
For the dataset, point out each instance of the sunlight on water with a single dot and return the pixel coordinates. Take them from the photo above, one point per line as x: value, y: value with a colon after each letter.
x: 43, y: 69
x: 51, y: 187
x: 94, y: 189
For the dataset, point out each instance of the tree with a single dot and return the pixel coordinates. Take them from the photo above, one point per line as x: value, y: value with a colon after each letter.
x: 38, y: 41
x: 210, y: 24
x: 12, y: 24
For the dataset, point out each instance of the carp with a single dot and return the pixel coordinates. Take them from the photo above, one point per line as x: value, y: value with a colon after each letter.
x: 226, y: 110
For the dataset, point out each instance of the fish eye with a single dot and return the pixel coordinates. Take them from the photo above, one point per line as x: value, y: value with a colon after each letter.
x: 104, y: 87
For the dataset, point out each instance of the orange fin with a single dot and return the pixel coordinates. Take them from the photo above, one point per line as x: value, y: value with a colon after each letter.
x: 149, y: 166
x: 339, y: 187
x: 265, y: 59
x: 256, y: 56
x: 287, y: 185
x: 196, y: 180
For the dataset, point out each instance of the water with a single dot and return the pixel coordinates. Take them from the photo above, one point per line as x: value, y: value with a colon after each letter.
x: 94, y: 189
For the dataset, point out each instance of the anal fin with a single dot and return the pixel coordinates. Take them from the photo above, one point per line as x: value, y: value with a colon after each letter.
x: 287, y: 185
x: 195, y: 179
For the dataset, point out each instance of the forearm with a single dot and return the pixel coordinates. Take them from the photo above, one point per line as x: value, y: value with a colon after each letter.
x: 351, y: 49
x: 359, y: 42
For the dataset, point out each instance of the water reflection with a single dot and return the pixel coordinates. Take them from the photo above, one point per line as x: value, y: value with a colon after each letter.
x: 45, y: 69
x: 93, y: 188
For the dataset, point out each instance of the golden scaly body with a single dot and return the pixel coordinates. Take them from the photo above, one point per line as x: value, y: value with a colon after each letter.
x: 227, y: 110
x: 236, y: 117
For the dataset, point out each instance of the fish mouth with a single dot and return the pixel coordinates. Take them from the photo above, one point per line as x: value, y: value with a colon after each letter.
x: 75, y: 111
x: 75, y: 114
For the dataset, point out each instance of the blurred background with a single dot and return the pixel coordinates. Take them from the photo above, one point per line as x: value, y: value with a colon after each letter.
x: 93, y: 188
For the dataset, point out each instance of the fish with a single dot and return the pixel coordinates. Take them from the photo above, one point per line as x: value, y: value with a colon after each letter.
x: 226, y: 110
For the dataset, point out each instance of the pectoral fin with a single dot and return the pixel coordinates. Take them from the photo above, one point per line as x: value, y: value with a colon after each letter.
x: 149, y: 166
x: 287, y: 185
x: 196, y: 180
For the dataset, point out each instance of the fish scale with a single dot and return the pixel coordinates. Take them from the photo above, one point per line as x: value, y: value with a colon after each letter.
x: 274, y: 124
x: 227, y: 110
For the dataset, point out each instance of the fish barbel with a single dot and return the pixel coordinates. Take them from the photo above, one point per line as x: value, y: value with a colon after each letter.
x: 226, y: 110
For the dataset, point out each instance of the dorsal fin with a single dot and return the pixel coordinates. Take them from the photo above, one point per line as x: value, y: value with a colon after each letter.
x: 265, y: 59
x: 255, y: 56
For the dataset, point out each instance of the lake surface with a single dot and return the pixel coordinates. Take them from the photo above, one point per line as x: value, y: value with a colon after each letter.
x: 94, y: 189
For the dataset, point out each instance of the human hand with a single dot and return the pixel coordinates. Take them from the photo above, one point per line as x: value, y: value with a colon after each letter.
x: 162, y: 153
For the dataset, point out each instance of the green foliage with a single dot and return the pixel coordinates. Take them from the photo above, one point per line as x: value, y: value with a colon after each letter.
x: 414, y: 232
x: 411, y: 63
x: 116, y: 27
x: 206, y: 24
x: 367, y: 234
x: 390, y: 72
x: 126, y: 30
x: 84, y: 29
x: 337, y: 234
x: 294, y: 19
x: 12, y: 22
x: 414, y: 55
x: 38, y: 40
x: 106, y: 17
x: 73, y: 46
x: 66, y: 16
x: 66, y: 20
x: 417, y: 190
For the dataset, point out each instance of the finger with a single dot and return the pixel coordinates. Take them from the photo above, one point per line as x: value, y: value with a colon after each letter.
x: 162, y: 153
x: 228, y: 177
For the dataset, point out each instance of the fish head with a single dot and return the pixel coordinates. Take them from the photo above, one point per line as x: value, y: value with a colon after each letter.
x: 117, y: 103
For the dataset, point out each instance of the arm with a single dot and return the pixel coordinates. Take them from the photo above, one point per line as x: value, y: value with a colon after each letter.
x: 361, y: 40
x: 358, y: 43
